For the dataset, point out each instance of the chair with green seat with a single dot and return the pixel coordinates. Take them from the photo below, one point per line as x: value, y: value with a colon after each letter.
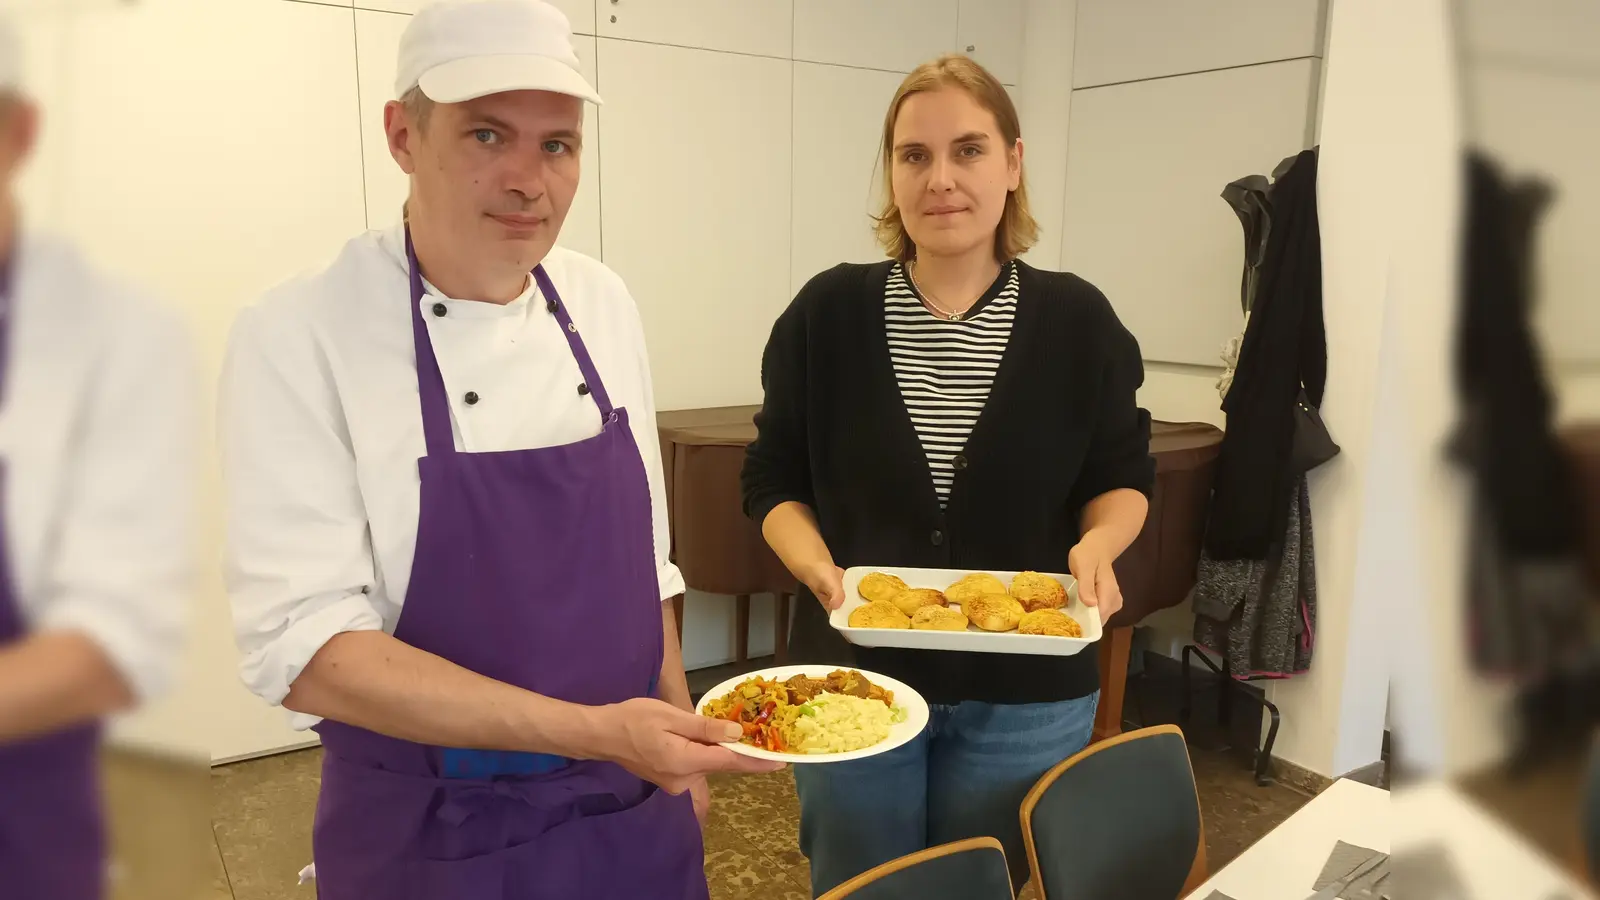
x: 973, y: 869
x: 1120, y: 819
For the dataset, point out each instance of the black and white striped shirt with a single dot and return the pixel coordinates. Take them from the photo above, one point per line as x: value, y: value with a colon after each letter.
x: 946, y: 368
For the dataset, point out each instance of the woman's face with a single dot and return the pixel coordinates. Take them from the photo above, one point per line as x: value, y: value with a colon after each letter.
x: 951, y: 171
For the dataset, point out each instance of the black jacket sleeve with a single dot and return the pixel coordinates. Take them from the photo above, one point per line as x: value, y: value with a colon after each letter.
x: 1119, y: 449
x: 777, y: 464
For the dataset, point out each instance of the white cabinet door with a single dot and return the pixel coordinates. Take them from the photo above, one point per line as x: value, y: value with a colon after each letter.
x: 838, y: 132
x: 991, y: 33
x: 895, y: 35
x: 377, y: 42
x: 377, y: 38
x: 695, y: 157
x: 1553, y: 34
x: 757, y: 27
x: 579, y: 12
x: 1129, y: 40
x: 229, y: 183
x: 1547, y: 126
x: 1145, y: 222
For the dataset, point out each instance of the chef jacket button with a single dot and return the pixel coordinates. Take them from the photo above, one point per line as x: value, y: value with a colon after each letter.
x: 583, y: 388
x: 551, y: 304
x: 959, y: 463
x: 937, y: 538
x: 471, y: 398
x: 439, y: 309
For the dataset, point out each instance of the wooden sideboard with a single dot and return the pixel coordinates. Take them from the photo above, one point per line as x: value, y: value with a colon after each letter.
x: 720, y: 551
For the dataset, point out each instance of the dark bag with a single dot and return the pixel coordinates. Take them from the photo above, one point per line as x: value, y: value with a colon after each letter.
x: 1313, y: 446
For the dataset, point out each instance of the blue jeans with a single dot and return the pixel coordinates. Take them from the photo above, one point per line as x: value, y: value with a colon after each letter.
x: 964, y: 776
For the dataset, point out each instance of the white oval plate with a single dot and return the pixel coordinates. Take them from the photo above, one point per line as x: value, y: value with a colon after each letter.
x: 899, y: 734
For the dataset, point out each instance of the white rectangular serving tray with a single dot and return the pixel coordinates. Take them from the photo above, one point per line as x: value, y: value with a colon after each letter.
x: 974, y: 639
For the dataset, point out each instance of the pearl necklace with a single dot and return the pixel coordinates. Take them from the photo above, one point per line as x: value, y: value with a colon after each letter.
x: 928, y: 299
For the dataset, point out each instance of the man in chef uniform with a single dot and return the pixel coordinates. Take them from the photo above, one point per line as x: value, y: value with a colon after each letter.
x: 97, y: 446
x: 447, y: 521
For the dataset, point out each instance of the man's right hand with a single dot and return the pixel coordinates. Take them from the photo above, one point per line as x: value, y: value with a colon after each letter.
x: 668, y: 746
x: 827, y: 582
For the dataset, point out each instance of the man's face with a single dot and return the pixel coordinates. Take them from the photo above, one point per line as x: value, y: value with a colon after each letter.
x: 494, y: 176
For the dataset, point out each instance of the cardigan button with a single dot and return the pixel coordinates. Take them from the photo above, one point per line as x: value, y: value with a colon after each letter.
x: 937, y: 537
x: 958, y: 463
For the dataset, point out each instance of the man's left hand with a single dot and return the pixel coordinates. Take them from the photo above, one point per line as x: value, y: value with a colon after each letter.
x: 700, y: 791
x: 1090, y: 564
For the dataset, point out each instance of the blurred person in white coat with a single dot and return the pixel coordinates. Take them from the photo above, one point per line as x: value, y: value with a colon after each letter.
x: 96, y: 525
x: 447, y: 534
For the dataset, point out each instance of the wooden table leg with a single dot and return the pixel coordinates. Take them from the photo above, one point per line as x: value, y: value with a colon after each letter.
x: 677, y: 615
x: 1115, y: 648
x: 741, y: 628
x: 780, y: 629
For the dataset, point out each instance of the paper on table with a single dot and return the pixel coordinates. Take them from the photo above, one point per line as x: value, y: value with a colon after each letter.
x: 1347, y: 858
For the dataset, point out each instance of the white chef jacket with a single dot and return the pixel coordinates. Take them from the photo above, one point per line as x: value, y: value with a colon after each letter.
x: 321, y: 430
x: 99, y: 437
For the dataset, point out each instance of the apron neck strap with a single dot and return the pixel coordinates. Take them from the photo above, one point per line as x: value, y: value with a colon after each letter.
x: 430, y: 382
x: 591, y: 375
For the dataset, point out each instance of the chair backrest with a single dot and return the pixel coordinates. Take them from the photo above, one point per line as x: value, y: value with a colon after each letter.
x: 1120, y: 819
x: 973, y: 869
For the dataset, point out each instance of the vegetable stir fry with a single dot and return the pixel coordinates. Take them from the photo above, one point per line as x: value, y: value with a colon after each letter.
x: 767, y: 710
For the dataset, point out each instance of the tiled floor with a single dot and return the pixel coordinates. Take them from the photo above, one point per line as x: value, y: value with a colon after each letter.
x: 262, y: 824
x: 262, y: 813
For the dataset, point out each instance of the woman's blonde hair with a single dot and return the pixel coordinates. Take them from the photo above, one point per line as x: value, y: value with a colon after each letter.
x: 1017, y: 230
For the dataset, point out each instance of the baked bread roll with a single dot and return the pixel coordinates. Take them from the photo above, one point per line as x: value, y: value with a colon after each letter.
x: 1051, y: 622
x: 974, y: 586
x: 939, y: 618
x: 1035, y: 591
x: 880, y: 587
x: 878, y: 615
x: 994, y: 612
x: 912, y: 599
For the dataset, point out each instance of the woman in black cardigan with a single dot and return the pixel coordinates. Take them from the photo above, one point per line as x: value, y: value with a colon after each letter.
x: 951, y: 407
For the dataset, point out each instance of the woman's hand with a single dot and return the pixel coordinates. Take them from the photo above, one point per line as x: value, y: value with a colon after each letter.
x: 1090, y: 563
x: 826, y: 580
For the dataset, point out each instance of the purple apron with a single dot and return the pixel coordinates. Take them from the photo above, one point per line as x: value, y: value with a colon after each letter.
x: 536, y: 568
x: 52, y: 840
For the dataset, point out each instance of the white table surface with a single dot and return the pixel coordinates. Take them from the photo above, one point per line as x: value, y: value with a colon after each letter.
x: 1491, y: 861
x: 1285, y: 863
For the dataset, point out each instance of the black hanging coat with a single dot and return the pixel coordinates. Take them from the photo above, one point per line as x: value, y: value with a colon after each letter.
x: 1284, y: 347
